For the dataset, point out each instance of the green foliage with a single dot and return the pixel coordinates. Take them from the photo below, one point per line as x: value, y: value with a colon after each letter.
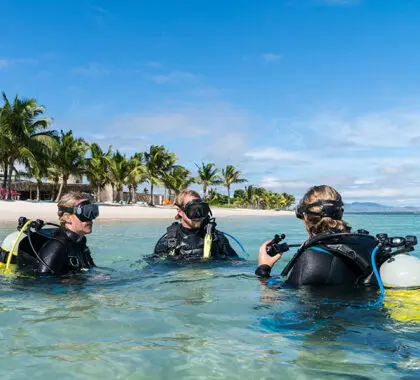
x: 69, y: 159
x: 158, y: 161
x: 26, y: 138
x: 208, y: 175
x: 24, y: 135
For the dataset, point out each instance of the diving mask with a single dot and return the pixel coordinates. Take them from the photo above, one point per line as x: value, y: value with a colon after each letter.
x: 196, y: 209
x: 329, y: 209
x: 85, y: 211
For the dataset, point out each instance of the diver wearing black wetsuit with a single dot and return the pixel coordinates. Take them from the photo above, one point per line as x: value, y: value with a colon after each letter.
x: 185, y: 240
x: 333, y: 255
x: 330, y: 259
x: 63, y: 253
x: 188, y: 244
x: 62, y: 250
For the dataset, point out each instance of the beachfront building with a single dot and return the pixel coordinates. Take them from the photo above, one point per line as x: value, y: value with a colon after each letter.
x: 48, y: 191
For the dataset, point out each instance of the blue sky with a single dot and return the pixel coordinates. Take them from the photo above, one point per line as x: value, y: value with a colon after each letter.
x: 294, y: 93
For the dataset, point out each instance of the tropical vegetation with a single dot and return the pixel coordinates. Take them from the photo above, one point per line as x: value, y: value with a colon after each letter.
x: 30, y: 148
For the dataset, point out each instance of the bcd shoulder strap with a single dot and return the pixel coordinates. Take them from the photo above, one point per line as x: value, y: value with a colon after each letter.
x: 172, y: 237
x: 333, y: 242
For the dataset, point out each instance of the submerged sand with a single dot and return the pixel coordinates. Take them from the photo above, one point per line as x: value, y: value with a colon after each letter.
x: 10, y: 211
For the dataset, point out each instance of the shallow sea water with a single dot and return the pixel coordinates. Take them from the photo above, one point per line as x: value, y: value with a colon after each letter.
x: 141, y: 322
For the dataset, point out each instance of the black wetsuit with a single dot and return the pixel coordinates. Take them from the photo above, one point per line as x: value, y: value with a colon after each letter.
x: 335, y: 260
x: 63, y: 253
x: 182, y: 243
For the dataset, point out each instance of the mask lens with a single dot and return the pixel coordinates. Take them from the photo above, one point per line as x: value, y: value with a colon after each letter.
x: 87, y: 212
x: 197, y: 210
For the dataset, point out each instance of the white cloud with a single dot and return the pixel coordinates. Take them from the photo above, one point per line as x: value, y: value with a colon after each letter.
x: 271, y: 57
x: 362, y: 181
x: 153, y: 64
x: 5, y: 62
x: 184, y: 121
x: 278, y: 184
x: 397, y: 127
x: 226, y: 148
x: 373, y: 193
x: 396, y: 170
x: 173, y: 77
x: 275, y: 154
x: 92, y: 69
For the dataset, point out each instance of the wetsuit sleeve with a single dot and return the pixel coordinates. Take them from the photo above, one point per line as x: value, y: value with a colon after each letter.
x: 161, y: 248
x: 263, y: 271
x: 89, y: 257
x: 53, y: 257
x: 225, y: 246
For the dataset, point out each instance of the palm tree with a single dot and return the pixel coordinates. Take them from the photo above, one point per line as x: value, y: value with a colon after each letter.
x: 37, y: 168
x: 119, y: 171
x: 177, y: 179
x: 70, y: 158
x: 250, y: 195
x: 54, y: 175
x: 157, y: 162
x: 289, y: 199
x: 97, y: 168
x: 230, y: 176
x: 23, y: 133
x: 136, y: 174
x: 207, y: 176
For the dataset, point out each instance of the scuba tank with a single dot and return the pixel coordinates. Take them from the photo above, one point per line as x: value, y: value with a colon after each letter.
x: 401, y: 271
x: 13, y: 242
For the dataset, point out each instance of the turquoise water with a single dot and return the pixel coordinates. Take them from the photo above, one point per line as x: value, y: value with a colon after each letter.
x: 200, y: 323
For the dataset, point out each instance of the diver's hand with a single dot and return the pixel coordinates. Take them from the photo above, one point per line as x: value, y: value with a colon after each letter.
x: 264, y: 258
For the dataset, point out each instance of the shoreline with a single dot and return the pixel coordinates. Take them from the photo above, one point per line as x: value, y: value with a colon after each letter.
x: 10, y: 211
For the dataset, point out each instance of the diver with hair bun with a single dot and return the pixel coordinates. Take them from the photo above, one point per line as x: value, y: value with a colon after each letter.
x: 44, y: 251
x: 334, y: 255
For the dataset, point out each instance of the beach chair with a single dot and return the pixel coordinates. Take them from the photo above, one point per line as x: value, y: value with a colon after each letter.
x: 15, y: 194
x: 3, y: 193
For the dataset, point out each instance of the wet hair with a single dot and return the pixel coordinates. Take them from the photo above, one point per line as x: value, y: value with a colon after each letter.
x: 71, y: 199
x: 180, y: 198
x: 316, y: 223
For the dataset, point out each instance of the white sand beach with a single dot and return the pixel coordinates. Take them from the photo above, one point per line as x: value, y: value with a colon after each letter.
x: 10, y: 211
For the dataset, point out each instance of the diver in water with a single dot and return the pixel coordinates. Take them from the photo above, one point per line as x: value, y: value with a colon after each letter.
x: 195, y: 237
x: 65, y: 250
x: 332, y: 255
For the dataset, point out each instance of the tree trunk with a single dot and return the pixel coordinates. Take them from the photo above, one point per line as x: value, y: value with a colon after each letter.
x: 98, y: 194
x: 6, y: 166
x: 151, y: 195
x: 9, y: 179
x: 133, y: 195
x: 169, y: 195
x: 228, y: 188
x: 59, y: 191
x: 118, y: 195
x: 55, y: 184
x: 63, y: 184
x: 205, y: 191
x: 38, y: 190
